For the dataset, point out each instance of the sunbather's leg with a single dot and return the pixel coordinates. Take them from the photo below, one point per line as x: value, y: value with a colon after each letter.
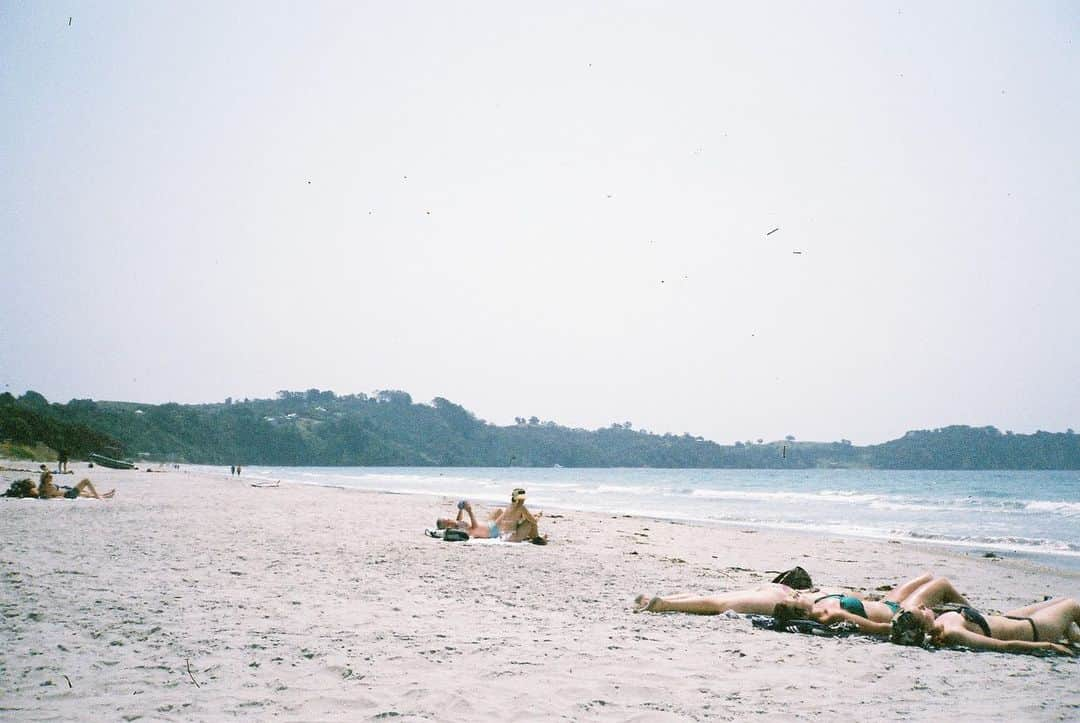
x: 1056, y: 621
x: 525, y: 531
x: 1028, y: 610
x: 938, y: 591
x: 761, y: 602
x: 900, y: 592
x: 86, y: 489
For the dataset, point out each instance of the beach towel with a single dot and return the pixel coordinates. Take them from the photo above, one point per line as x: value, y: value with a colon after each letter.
x: 807, y: 627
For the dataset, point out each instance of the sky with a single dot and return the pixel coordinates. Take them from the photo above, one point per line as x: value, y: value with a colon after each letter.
x: 737, y: 220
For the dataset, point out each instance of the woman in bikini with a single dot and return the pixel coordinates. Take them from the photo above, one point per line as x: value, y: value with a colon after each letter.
x: 1024, y: 630
x: 874, y: 617
x: 782, y: 601
x: 47, y: 490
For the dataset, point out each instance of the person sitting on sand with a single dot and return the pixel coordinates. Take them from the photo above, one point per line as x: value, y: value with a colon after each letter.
x: 1024, y: 630
x: 873, y: 617
x: 514, y: 524
x: 516, y: 519
x: 85, y: 488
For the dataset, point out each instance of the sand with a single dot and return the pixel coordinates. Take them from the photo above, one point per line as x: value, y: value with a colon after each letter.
x: 198, y: 597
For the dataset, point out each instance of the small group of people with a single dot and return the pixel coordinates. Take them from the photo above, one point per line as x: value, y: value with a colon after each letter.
x: 233, y: 469
x: 511, y: 524
x: 47, y: 489
x: 925, y: 610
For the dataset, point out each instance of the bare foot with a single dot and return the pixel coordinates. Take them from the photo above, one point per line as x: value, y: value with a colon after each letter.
x: 643, y: 603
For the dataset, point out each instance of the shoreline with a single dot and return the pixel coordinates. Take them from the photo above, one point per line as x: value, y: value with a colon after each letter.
x: 1064, y: 560
x: 309, y: 602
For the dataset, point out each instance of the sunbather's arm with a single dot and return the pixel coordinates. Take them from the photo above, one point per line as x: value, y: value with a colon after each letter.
x: 981, y: 642
x: 865, y: 626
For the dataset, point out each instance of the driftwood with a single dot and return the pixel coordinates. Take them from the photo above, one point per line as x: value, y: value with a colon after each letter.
x: 190, y: 675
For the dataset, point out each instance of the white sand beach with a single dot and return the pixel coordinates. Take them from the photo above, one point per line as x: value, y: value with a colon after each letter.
x: 199, y: 597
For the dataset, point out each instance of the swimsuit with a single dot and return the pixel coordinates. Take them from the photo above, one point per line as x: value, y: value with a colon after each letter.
x: 493, y: 531
x: 894, y: 606
x: 1034, y: 630
x: 974, y: 616
x: 852, y: 605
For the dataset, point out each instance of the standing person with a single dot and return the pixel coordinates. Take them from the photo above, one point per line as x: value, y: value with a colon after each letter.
x: 232, y: 469
x: 61, y: 463
x: 237, y: 470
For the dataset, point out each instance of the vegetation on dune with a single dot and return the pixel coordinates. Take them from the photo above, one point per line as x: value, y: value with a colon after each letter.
x: 387, y: 428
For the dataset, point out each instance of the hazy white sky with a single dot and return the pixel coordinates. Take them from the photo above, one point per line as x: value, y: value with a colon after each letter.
x: 552, y: 209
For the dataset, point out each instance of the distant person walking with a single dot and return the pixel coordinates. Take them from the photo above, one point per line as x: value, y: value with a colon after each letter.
x: 232, y: 469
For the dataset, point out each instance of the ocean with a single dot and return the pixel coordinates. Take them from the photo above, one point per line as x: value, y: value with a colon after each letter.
x: 1032, y: 514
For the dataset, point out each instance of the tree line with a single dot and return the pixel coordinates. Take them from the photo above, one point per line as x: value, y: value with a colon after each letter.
x: 387, y: 428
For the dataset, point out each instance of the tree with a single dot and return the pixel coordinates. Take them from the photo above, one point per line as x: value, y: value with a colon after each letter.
x: 790, y: 438
x: 33, y: 399
x: 394, y: 396
x: 534, y: 420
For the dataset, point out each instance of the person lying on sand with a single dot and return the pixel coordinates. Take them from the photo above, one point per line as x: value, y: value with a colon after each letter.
x: 783, y: 601
x: 873, y: 617
x: 1024, y: 630
x: 514, y: 524
x: 756, y: 601
x: 85, y: 488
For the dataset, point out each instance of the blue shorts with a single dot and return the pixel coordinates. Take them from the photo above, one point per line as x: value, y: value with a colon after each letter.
x: 493, y: 531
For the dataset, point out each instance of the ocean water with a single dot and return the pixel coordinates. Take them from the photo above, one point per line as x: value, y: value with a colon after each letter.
x: 1035, y: 514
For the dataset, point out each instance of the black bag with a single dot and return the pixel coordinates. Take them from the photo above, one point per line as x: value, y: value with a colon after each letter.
x: 453, y: 535
x: 20, y: 488
x: 796, y: 577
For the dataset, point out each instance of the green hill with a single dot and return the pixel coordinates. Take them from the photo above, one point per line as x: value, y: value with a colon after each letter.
x: 324, y: 429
